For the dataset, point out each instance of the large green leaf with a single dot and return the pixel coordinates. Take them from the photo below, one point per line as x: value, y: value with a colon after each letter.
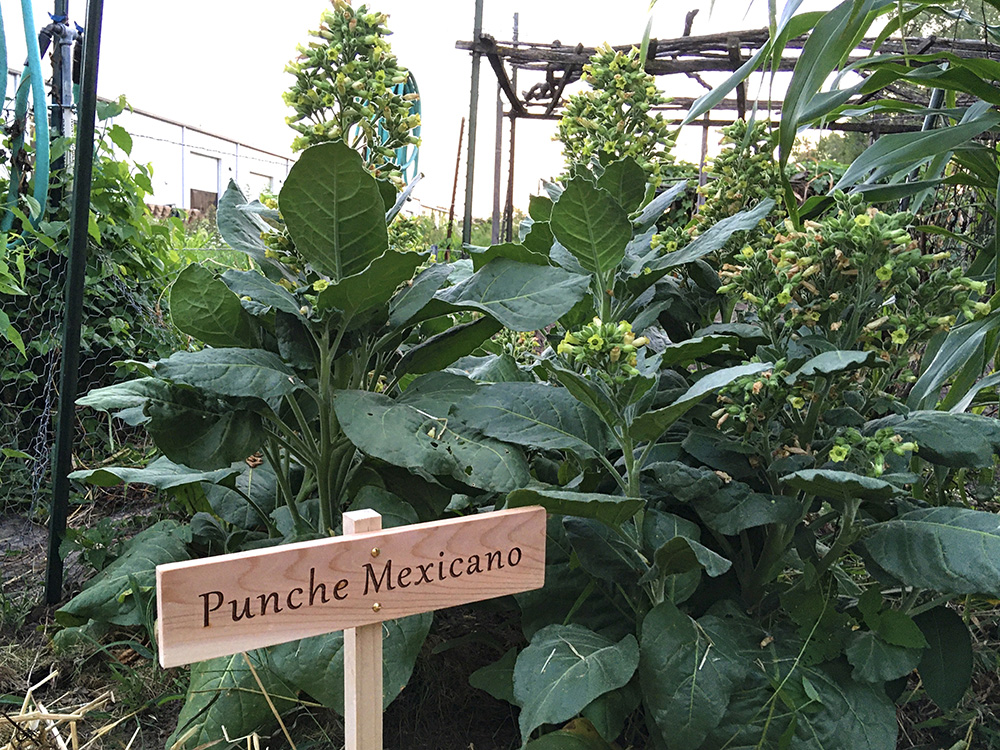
x: 952, y: 550
x: 243, y: 230
x: 398, y: 433
x: 497, y: 678
x: 333, y: 210
x: 262, y: 291
x: 625, y: 180
x: 956, y: 440
x: 682, y: 555
x: 609, y: 713
x: 652, y: 424
x: 589, y: 223
x: 513, y: 251
x: 566, y: 667
x: 316, y: 665
x: 817, y: 708
x: 108, y: 597
x: 688, y: 351
x: 840, y: 485
x: 658, y: 206
x: 443, y: 349
x: 946, y: 666
x: 832, y: 362
x: 612, y: 510
x: 535, y: 415
x: 710, y: 240
x: 246, y: 373
x: 205, y: 308
x: 413, y: 298
x: 521, y: 296
x: 162, y: 474
x: 223, y: 691
x: 436, y: 392
x: 689, y: 670
x: 259, y: 483
x: 737, y: 507
x: 602, y: 551
x: 876, y: 661
x: 394, y: 511
x: 371, y: 287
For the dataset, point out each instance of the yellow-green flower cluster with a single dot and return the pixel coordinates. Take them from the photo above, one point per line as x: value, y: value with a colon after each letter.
x: 344, y: 82
x: 867, y: 454
x: 754, y: 399
x: 609, y: 350
x: 744, y: 173
x: 613, y: 119
x: 856, y: 277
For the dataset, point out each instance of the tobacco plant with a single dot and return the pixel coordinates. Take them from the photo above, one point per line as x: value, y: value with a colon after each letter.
x: 753, y: 538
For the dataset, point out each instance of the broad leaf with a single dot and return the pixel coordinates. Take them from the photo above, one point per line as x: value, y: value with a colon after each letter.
x: 443, y: 349
x: 492, y: 368
x: 625, y: 181
x: 682, y: 555
x: 534, y: 415
x: 609, y: 713
x: 956, y: 440
x: 316, y: 665
x: 958, y: 348
x: 686, y: 689
x: 946, y: 666
x: 399, y: 434
x: 371, y: 287
x: 658, y: 206
x: 589, y: 223
x: 688, y: 351
x: 512, y: 251
x: 736, y: 507
x: 242, y: 230
x: 246, y: 373
x: 206, y: 309
x: 108, y: 597
x: 521, y: 296
x: 952, y: 550
x: 223, y: 691
x: 612, y: 510
x: 651, y: 425
x: 497, y: 678
x: 603, y: 552
x: 830, y: 363
x: 162, y: 474
x: 333, y: 210
x: 413, y: 298
x: 714, y: 238
x: 565, y: 668
x: 259, y: 483
x: 876, y: 661
x: 262, y: 291
x: 840, y: 485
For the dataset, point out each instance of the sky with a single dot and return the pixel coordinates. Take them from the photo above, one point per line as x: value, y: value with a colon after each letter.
x: 219, y: 65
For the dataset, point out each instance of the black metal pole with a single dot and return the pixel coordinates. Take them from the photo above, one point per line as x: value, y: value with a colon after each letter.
x: 72, y: 318
x: 62, y: 89
x: 470, y: 160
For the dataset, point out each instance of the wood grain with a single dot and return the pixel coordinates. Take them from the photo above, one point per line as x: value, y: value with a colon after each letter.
x: 363, y: 663
x: 231, y: 603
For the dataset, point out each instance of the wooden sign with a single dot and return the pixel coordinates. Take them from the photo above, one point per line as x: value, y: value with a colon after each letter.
x: 231, y: 603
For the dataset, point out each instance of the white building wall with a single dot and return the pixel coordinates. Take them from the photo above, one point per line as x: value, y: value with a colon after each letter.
x: 185, y: 157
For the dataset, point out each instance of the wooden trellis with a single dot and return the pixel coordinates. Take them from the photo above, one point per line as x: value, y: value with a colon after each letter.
x: 554, y: 66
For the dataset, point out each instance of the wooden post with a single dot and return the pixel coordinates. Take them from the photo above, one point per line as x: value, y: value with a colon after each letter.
x: 363, y: 661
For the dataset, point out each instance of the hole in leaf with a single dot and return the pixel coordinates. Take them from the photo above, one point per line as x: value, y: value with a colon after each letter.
x: 468, y: 471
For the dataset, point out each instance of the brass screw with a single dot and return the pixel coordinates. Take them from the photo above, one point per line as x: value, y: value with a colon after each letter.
x: 375, y: 551
x: 376, y: 607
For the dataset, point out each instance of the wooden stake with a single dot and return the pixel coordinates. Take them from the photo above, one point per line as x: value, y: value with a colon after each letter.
x: 363, y: 661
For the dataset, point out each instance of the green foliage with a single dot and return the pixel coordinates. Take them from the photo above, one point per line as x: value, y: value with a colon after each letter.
x: 344, y: 89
